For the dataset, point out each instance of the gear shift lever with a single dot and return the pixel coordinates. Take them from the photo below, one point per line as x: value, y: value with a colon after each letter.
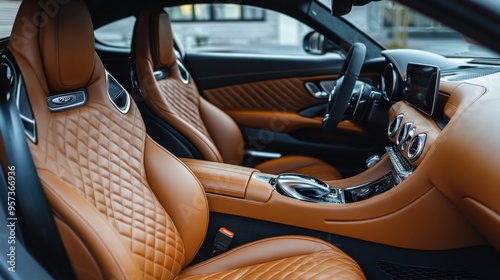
x: 371, y: 161
x: 301, y: 187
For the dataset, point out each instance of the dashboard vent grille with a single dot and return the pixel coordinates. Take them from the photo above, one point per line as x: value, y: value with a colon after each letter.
x: 403, y: 133
x: 416, y: 146
x: 394, y: 125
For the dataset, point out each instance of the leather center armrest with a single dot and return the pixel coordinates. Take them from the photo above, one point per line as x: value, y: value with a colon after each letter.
x: 220, y: 178
x: 229, y: 180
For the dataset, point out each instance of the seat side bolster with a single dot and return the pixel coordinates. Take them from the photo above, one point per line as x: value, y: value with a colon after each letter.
x: 104, y: 243
x: 258, y: 252
x: 180, y: 193
x: 224, y: 131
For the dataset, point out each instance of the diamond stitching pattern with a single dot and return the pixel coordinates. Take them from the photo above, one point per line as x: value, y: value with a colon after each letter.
x: 99, y: 152
x: 181, y: 100
x: 283, y: 94
x: 328, y: 264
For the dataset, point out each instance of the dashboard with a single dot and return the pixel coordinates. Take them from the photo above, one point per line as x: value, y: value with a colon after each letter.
x: 455, y: 148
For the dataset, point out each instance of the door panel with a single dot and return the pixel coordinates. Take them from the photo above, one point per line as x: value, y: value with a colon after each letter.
x: 222, y: 69
x: 265, y: 94
x: 283, y: 95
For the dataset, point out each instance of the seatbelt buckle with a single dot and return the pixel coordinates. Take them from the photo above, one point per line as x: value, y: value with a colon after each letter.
x: 222, y: 241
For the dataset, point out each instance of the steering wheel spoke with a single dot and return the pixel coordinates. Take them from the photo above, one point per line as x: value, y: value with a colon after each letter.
x: 339, y: 99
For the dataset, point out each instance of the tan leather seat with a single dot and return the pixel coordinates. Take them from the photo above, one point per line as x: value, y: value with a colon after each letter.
x: 125, y: 207
x: 214, y: 134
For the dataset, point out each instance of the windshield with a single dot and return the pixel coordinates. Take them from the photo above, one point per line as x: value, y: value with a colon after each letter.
x: 395, y: 27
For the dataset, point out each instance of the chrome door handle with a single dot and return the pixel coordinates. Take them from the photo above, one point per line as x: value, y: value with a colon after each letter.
x: 314, y: 91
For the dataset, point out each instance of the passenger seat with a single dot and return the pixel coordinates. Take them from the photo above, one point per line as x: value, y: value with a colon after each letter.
x: 176, y: 100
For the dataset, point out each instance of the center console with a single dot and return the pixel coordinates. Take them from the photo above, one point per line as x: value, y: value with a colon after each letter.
x: 411, y: 135
x: 383, y: 204
x: 306, y: 188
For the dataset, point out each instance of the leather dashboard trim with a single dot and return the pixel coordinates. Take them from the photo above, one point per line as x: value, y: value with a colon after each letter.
x: 466, y: 160
x: 461, y: 97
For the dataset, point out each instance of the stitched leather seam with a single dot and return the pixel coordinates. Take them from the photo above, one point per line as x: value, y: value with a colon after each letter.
x: 200, y: 136
x: 189, y: 170
x: 233, y: 169
x: 51, y: 188
x: 259, y: 242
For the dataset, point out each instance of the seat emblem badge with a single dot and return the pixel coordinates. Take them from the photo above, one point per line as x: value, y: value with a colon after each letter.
x: 67, y: 101
x: 63, y: 99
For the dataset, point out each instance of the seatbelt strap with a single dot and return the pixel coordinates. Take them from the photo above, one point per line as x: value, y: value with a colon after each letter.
x: 30, y: 209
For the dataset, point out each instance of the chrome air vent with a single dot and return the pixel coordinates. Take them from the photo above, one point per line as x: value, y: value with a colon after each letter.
x: 118, y: 95
x: 408, y: 138
x: 403, y: 133
x: 416, y: 146
x: 394, y: 125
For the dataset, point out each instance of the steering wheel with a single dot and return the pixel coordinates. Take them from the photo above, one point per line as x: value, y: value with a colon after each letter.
x: 339, y: 99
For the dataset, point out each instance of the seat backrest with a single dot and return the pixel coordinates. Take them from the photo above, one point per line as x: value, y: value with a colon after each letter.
x: 174, y: 97
x: 125, y: 208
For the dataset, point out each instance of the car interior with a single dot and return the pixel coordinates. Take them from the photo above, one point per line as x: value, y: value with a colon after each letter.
x: 152, y: 162
x: 173, y: 97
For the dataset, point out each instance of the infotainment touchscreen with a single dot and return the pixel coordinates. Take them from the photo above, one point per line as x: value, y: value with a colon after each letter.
x: 422, y: 86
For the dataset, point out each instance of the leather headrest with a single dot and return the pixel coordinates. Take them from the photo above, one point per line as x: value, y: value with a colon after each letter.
x: 67, y: 46
x: 161, y: 40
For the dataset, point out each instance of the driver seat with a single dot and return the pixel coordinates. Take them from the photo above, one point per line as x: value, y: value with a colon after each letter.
x: 211, y: 131
x: 125, y: 207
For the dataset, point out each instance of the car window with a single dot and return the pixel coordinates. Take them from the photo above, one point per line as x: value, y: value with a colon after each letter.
x: 229, y: 28
x: 8, y: 11
x: 236, y: 28
x: 396, y: 26
x: 117, y: 33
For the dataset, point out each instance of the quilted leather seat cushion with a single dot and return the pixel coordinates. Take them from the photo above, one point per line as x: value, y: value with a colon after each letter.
x: 326, y: 265
x: 286, y: 257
